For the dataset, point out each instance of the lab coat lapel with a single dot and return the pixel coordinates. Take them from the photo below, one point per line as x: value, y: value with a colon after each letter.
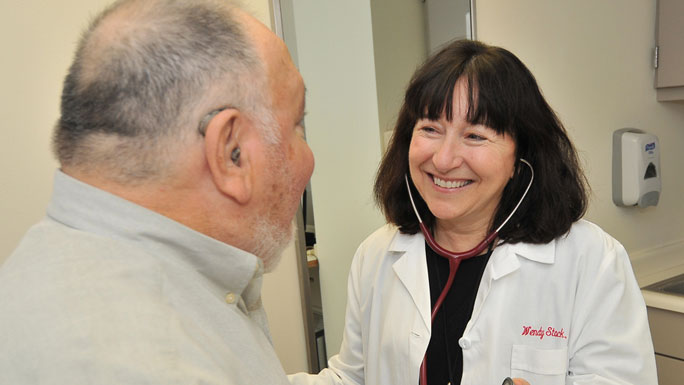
x: 501, y: 263
x: 505, y: 260
x: 411, y: 269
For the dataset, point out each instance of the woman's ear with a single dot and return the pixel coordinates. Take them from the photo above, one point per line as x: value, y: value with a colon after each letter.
x: 229, y: 164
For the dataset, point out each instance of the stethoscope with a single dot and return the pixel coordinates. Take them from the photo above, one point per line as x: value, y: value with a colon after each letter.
x: 455, y: 258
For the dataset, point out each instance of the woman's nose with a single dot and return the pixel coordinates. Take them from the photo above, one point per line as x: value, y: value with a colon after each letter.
x: 447, y: 156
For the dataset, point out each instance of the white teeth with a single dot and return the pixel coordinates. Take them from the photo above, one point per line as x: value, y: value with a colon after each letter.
x: 449, y: 184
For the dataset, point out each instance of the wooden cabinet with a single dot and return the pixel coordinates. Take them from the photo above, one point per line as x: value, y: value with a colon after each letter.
x: 668, y: 342
x: 669, y: 59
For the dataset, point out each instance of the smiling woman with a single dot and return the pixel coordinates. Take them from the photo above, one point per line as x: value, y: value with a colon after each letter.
x: 472, y: 121
x: 460, y: 169
x: 472, y: 112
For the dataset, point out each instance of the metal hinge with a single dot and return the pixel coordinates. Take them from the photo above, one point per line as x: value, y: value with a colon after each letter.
x: 655, y: 58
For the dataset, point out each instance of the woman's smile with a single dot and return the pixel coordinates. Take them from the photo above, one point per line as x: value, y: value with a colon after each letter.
x: 450, y: 184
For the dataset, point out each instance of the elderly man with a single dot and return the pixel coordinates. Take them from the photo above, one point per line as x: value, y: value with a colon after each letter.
x: 182, y: 165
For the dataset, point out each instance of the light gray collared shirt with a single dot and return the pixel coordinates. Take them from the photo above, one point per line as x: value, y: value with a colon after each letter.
x: 103, y: 291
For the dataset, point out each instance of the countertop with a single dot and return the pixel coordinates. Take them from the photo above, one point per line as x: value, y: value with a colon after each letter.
x: 656, y: 265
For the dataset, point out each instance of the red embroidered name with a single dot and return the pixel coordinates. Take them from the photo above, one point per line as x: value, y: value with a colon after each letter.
x: 541, y: 333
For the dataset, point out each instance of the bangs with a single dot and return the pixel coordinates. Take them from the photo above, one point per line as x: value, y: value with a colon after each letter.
x: 431, y: 96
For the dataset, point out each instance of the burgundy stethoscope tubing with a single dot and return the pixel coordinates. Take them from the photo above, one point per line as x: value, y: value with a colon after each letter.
x: 455, y: 258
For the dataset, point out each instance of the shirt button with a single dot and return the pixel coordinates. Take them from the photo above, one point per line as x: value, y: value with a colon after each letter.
x: 464, y: 343
x: 230, y: 298
x: 257, y: 268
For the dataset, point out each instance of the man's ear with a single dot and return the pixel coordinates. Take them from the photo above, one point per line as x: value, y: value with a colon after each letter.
x: 228, y: 162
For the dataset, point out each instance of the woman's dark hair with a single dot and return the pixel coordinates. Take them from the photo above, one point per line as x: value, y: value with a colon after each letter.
x: 503, y: 95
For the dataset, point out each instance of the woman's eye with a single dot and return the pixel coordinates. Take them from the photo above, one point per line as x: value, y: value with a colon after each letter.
x: 476, y: 137
x: 428, y: 129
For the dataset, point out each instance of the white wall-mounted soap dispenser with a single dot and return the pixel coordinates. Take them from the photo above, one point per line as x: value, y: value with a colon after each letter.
x: 636, y: 168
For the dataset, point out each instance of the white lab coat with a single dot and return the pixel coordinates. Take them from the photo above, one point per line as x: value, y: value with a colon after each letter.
x: 567, y: 312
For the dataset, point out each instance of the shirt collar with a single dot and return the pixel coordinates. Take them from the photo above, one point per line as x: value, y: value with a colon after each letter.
x: 542, y: 253
x: 87, y: 208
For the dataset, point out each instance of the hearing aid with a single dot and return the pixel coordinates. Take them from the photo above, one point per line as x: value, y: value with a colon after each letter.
x: 235, y: 155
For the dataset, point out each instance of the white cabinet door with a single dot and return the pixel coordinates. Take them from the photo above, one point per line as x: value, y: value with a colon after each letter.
x: 670, y: 42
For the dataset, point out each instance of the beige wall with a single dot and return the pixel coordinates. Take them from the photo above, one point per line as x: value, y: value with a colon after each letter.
x: 592, y: 60
x: 261, y: 9
x: 334, y: 42
x: 398, y: 52
x: 38, y: 39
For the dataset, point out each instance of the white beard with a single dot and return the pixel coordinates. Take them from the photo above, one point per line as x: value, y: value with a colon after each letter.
x: 270, y: 237
x: 271, y: 241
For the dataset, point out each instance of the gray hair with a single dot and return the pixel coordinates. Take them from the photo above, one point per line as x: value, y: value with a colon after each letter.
x: 144, y: 74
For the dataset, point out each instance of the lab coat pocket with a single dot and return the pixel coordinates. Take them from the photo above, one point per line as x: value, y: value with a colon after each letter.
x: 539, y: 366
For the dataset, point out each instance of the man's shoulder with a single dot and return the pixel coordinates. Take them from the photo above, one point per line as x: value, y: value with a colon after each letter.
x: 80, y: 296
x: 93, y: 308
x: 56, y: 270
x: 51, y: 246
